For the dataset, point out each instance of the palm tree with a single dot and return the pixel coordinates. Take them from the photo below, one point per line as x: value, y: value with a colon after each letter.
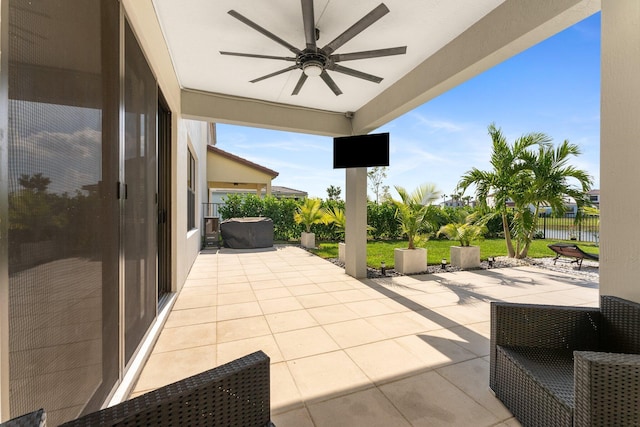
x: 551, y: 184
x: 465, y: 233
x: 336, y: 216
x: 415, y: 210
x: 507, y: 178
x: 310, y: 212
x: 528, y: 178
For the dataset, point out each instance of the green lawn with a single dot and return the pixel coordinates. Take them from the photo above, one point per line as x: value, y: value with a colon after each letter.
x: 378, y: 251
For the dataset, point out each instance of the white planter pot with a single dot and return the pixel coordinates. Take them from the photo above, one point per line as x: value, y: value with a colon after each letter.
x: 408, y: 261
x: 341, y: 251
x: 465, y: 257
x: 308, y: 240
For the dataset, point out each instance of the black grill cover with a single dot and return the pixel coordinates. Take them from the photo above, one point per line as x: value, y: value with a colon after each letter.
x: 247, y: 233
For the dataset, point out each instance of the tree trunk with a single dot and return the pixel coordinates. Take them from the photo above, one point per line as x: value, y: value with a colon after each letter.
x: 525, y: 250
x: 507, y: 236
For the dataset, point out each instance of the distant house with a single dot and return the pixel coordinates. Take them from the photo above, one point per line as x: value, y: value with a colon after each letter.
x: 287, y: 193
x: 228, y: 173
x: 594, y: 197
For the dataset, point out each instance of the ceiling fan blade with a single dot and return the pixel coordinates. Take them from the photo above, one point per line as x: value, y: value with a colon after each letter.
x: 309, y: 23
x: 301, y: 80
x: 355, y: 73
x: 356, y: 28
x: 263, y: 31
x: 369, y: 54
x: 284, y: 70
x: 329, y: 81
x: 253, y: 55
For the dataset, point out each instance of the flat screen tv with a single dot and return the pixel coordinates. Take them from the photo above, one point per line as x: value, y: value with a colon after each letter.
x: 361, y: 151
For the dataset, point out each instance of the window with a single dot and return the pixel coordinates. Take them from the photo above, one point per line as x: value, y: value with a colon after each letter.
x: 191, y: 191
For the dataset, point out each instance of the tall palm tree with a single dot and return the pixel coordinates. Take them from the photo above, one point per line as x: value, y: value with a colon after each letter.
x: 553, y: 179
x: 415, y: 211
x: 508, y: 177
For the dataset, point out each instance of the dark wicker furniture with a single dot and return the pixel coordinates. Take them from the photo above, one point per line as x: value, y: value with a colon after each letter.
x: 570, y: 250
x: 234, y: 394
x: 567, y: 366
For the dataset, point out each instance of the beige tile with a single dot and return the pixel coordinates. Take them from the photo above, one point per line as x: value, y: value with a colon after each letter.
x: 430, y: 400
x: 432, y: 320
x: 332, y: 313
x: 194, y: 301
x: 238, y: 311
x: 234, y: 287
x: 466, y: 313
x: 305, y: 289
x: 386, y: 361
x: 211, y: 281
x: 236, y: 297
x: 397, y: 324
x: 474, y: 337
x: 434, y: 349
x: 279, y: 305
x: 265, y: 284
x: 294, y: 418
x: 191, y: 316
x: 353, y: 295
x: 352, y: 333
x: 232, y: 350
x: 293, y: 279
x: 472, y: 377
x: 317, y: 300
x: 284, y: 392
x: 290, y: 320
x: 364, y: 408
x: 305, y: 342
x: 165, y: 368
x: 369, y: 308
x: 239, y: 282
x: 336, y: 286
x: 237, y: 329
x: 272, y: 293
x: 184, y: 337
x: 199, y: 290
x: 326, y: 375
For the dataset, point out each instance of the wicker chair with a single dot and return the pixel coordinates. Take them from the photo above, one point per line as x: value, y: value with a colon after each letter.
x: 234, y: 394
x: 567, y: 366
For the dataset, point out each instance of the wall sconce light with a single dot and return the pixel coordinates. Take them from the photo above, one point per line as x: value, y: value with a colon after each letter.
x: 443, y: 264
x: 491, y: 260
x: 383, y: 268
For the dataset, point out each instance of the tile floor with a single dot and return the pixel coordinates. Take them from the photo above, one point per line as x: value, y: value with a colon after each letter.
x: 403, y: 351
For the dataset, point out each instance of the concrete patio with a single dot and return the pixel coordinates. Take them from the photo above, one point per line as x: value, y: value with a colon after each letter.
x: 402, y: 351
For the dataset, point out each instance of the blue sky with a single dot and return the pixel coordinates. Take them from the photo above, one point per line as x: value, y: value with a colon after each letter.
x: 553, y: 87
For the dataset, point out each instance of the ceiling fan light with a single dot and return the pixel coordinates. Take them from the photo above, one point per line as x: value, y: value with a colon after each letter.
x: 312, y: 68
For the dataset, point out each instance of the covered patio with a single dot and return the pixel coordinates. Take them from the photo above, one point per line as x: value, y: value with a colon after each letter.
x: 402, y: 351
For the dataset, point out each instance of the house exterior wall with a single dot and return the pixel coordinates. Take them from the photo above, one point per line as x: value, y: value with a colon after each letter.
x: 224, y: 172
x: 619, y: 149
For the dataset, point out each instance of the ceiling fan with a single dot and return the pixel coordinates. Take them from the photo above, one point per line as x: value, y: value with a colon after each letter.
x: 314, y: 60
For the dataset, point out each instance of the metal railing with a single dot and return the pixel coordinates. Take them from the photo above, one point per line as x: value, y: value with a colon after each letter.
x: 211, y: 210
x: 565, y: 228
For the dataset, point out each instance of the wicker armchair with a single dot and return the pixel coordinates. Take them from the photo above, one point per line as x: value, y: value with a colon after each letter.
x: 234, y: 394
x: 567, y: 366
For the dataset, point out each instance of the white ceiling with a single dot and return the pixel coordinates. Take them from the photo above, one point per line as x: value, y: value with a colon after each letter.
x: 197, y: 30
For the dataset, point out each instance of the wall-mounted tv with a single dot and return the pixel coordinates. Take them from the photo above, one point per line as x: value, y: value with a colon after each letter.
x: 361, y: 151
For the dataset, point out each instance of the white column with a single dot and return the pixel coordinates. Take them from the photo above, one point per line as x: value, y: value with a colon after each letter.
x: 620, y: 150
x: 356, y: 227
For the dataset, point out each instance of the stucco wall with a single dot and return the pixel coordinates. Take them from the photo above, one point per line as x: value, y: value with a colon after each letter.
x: 620, y: 150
